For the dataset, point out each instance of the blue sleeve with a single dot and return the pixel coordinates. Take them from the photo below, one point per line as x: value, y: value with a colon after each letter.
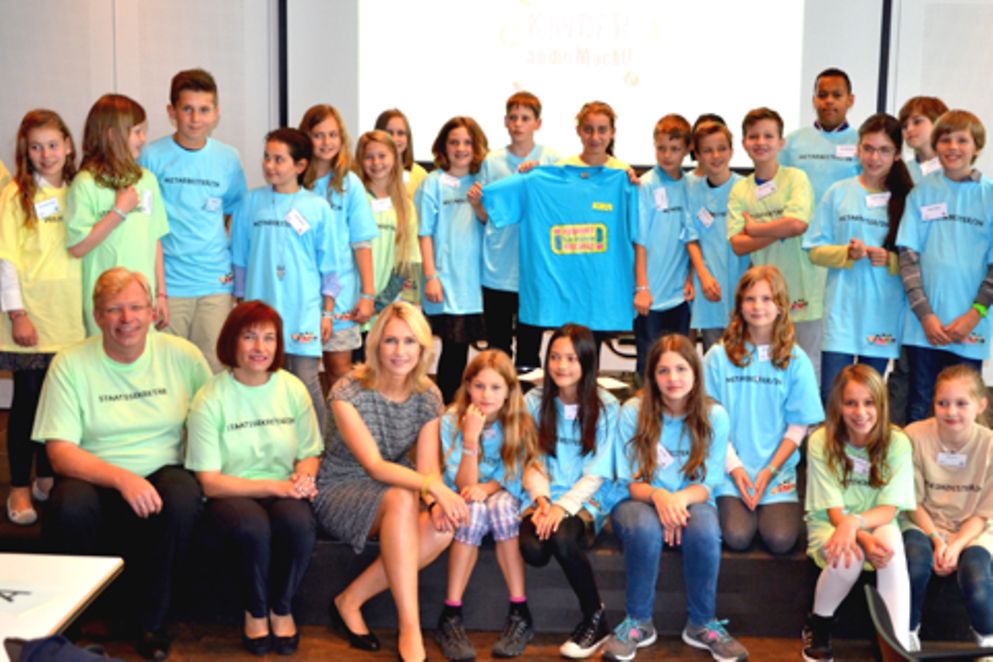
x: 505, y: 200
x: 803, y: 400
x: 689, y: 232
x: 712, y: 373
x: 633, y: 208
x: 821, y: 229
x: 325, y: 240
x: 361, y: 223
x: 428, y: 207
x: 720, y: 422
x: 236, y: 186
x: 602, y: 461
x: 627, y: 424
x: 451, y: 446
x: 646, y: 209
x: 240, y: 233
x: 910, y: 233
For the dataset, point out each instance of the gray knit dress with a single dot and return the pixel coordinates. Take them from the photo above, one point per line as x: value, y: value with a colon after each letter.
x: 347, y: 498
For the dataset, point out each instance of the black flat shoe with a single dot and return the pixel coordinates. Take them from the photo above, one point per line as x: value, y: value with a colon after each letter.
x: 257, y: 646
x: 365, y: 642
x: 154, y: 645
x: 286, y: 645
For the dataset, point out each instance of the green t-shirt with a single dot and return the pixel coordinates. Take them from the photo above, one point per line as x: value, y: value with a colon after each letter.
x: 132, y: 244
x: 825, y: 490
x: 787, y: 194
x: 254, y: 432
x: 128, y: 415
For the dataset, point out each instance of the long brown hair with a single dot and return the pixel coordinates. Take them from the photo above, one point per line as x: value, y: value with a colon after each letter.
x: 697, y: 422
x: 106, y: 154
x: 836, y: 434
x: 342, y: 161
x: 27, y: 187
x: 520, y: 439
x: 783, y: 335
x: 590, y: 404
x: 405, y: 232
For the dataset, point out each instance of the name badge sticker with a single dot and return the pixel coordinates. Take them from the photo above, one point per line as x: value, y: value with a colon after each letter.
x: 661, y: 199
x: 952, y: 460
x: 860, y: 465
x: 663, y: 457
x: 146, y: 202
x: 47, y: 207
x: 876, y: 200
x: 448, y: 180
x: 845, y: 151
x: 406, y: 176
x: 297, y: 221
x: 212, y: 204
x: 764, y: 354
x: 765, y: 190
x: 705, y: 217
x: 382, y: 204
x: 929, y: 166
x: 935, y: 211
x: 571, y: 412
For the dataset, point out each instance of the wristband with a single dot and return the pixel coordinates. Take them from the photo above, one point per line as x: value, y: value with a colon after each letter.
x: 471, y: 452
x: 367, y: 297
x: 119, y: 213
x: 773, y: 470
x: 16, y: 314
x: 430, y: 478
x: 161, y: 295
x: 935, y: 535
x: 327, y: 314
x: 641, y: 288
x: 431, y: 277
x: 981, y: 309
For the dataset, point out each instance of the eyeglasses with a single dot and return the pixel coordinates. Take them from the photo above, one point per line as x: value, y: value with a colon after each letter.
x: 869, y: 150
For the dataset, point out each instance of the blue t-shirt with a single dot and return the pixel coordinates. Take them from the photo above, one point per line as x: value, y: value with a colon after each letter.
x: 501, y: 245
x: 763, y: 401
x: 955, y: 248
x: 351, y: 222
x: 569, y: 464
x: 446, y: 216
x: 706, y: 223
x: 199, y: 187
x: 672, y: 450
x: 490, y: 463
x: 284, y: 265
x: 920, y: 170
x: 826, y: 156
x: 661, y: 225
x: 577, y: 250
x: 863, y: 305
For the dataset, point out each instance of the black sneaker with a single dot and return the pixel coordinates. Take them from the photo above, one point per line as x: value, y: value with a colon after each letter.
x: 588, y: 636
x: 517, y: 632
x: 451, y: 636
x: 817, y: 639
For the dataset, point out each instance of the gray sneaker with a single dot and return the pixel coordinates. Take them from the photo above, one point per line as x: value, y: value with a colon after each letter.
x: 714, y: 638
x: 628, y: 637
x: 454, y: 642
x: 517, y: 632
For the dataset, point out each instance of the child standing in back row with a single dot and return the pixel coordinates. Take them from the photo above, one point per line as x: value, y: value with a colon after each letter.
x: 202, y: 183
x: 917, y: 117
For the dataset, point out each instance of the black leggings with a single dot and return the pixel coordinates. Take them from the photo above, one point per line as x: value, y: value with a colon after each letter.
x: 20, y: 449
x: 564, y: 546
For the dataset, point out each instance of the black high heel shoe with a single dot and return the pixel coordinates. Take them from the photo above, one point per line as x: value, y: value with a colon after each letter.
x: 365, y: 642
x: 286, y: 645
x: 257, y: 646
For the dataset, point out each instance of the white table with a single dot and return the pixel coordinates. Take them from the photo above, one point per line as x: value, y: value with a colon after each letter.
x: 41, y: 594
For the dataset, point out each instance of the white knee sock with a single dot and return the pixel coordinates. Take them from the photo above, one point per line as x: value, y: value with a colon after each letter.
x: 893, y: 582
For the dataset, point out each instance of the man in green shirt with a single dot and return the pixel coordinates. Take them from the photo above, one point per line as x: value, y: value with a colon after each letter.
x: 111, y: 414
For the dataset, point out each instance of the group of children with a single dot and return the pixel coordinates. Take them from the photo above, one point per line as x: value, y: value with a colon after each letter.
x: 841, y: 235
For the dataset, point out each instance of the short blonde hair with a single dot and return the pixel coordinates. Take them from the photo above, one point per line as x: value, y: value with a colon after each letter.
x: 114, y: 281
x: 959, y: 120
x: 369, y: 372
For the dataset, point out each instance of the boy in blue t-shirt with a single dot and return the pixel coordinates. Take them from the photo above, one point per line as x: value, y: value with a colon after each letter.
x: 661, y: 263
x: 501, y: 246
x: 202, y: 182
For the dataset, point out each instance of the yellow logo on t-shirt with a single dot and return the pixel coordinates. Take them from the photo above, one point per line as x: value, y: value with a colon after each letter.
x: 579, y: 238
x: 603, y: 206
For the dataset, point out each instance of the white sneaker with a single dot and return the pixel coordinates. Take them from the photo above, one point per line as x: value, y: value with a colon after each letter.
x: 914, y: 640
x: 25, y: 517
x: 983, y: 641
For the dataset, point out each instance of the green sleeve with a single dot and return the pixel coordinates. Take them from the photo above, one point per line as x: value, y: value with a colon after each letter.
x: 824, y: 490
x: 800, y: 197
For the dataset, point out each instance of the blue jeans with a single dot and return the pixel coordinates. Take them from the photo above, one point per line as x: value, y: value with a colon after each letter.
x: 637, y: 526
x: 925, y: 364
x: 651, y: 327
x: 975, y: 577
x: 833, y: 362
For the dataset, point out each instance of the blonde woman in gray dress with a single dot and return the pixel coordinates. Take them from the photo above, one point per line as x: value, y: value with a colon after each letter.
x: 381, y: 461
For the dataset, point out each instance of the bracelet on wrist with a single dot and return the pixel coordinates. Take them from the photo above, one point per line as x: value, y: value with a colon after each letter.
x: 471, y: 452
x: 430, y: 478
x: 431, y: 277
x: 367, y: 297
x: 774, y: 470
x: 327, y: 314
x: 119, y: 213
x: 981, y: 309
x: 641, y: 288
x: 16, y: 314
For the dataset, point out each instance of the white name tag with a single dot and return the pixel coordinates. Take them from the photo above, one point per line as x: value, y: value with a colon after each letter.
x: 570, y: 412
x: 953, y: 460
x: 860, y: 465
x: 448, y: 180
x: 765, y: 190
x: 46, y: 208
x: 297, y: 221
x: 937, y: 210
x: 212, y: 204
x: 406, y: 176
x: 661, y: 199
x: 382, y: 204
x: 663, y: 457
x: 764, y: 353
x: 845, y: 151
x: 874, y: 200
x: 931, y: 165
x: 705, y: 217
x: 146, y: 202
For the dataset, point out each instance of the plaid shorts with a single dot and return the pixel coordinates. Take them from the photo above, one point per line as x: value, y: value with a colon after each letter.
x: 500, y: 515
